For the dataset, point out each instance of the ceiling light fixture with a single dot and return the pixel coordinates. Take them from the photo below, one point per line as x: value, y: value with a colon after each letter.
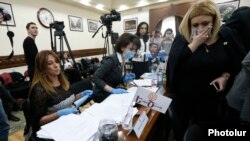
x: 99, y: 6
x: 85, y: 2
x: 162, y: 0
x: 142, y: 3
x: 122, y: 7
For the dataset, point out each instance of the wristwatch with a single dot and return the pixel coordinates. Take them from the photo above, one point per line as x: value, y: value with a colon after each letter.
x: 45, y: 17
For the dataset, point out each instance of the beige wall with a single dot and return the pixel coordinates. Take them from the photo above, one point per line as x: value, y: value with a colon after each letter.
x: 244, y: 3
x: 26, y: 11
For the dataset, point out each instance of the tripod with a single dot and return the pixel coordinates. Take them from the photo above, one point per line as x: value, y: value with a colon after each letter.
x: 110, y: 33
x: 62, y: 36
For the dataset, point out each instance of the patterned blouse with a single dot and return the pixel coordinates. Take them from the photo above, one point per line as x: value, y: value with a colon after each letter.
x: 42, y: 104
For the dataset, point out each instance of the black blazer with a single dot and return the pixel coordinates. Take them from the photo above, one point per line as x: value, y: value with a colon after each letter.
x: 109, y: 73
x: 180, y: 51
x: 239, y: 23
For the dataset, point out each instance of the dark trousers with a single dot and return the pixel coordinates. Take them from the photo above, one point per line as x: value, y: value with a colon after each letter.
x: 7, y: 100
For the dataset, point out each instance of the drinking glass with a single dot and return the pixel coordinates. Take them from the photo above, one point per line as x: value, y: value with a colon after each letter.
x: 108, y: 130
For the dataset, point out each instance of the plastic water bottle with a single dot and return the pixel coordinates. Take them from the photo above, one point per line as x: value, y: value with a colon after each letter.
x: 159, y: 78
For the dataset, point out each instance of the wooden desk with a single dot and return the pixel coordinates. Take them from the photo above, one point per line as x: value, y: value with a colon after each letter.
x: 148, y: 130
x: 153, y: 116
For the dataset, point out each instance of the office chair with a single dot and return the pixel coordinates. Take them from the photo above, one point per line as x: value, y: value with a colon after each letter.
x: 72, y: 75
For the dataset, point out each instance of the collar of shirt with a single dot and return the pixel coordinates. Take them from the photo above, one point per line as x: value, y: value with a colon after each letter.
x: 119, y: 56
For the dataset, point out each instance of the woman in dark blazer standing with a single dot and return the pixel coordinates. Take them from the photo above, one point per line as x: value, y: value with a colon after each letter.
x: 111, y: 73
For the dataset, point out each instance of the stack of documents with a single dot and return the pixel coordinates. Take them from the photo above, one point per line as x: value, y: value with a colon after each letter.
x: 70, y: 128
x: 84, y: 127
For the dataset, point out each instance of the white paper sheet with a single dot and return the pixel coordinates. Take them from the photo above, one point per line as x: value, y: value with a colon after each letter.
x: 83, y: 127
x: 143, y: 82
x: 71, y: 127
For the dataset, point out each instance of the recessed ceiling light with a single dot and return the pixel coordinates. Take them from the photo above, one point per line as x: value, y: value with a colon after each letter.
x: 122, y: 7
x: 142, y: 3
x: 161, y: 0
x: 85, y: 2
x: 99, y: 6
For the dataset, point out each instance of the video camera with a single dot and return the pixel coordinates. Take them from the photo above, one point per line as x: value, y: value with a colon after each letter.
x: 107, y: 19
x: 58, y: 26
x: 6, y: 16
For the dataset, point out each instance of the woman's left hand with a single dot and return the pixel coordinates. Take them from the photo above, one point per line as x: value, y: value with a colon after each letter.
x: 222, y: 82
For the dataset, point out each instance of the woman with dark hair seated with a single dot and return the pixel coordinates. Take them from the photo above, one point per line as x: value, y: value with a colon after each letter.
x: 112, y: 71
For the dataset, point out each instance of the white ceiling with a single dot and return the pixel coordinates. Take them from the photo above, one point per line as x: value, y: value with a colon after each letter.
x: 104, y: 6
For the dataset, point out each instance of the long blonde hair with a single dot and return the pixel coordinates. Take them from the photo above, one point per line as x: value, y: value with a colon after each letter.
x: 41, y: 63
x: 202, y: 7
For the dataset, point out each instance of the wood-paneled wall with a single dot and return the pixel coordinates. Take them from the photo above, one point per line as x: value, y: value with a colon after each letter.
x: 19, y: 60
x: 158, y: 14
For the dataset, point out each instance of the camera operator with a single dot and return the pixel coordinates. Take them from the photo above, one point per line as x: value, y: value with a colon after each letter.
x: 4, y: 125
x: 30, y: 48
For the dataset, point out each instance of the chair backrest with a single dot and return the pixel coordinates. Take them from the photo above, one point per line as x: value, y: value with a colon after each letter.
x: 72, y: 75
x: 27, y: 116
x: 17, y: 77
x: 85, y: 63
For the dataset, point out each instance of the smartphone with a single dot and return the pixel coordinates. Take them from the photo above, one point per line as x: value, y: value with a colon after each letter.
x: 215, y: 86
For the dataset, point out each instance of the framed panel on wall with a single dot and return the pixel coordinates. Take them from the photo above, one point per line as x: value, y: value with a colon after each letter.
x: 92, y: 25
x: 8, y: 15
x: 130, y: 24
x: 75, y: 23
x: 227, y: 8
